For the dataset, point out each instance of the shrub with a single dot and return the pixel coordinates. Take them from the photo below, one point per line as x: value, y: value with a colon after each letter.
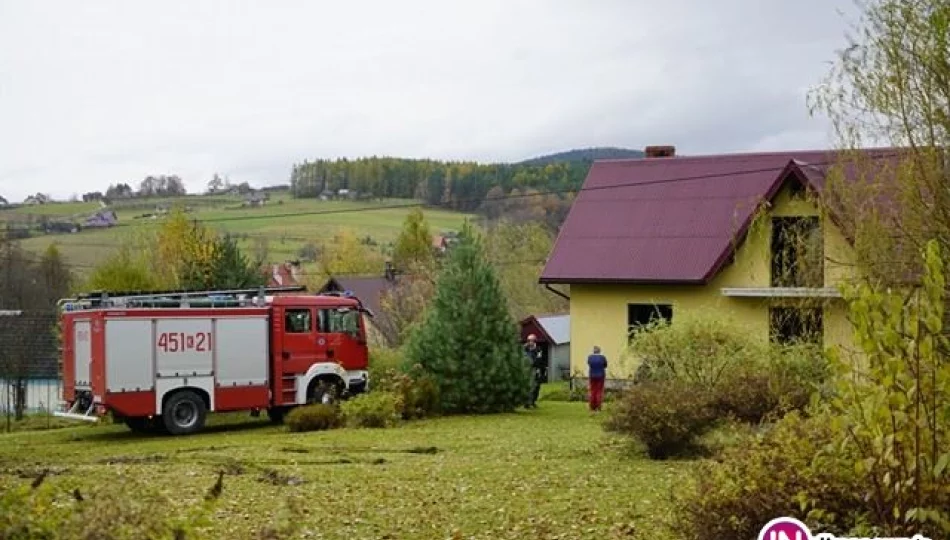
x: 418, y: 393
x: 666, y: 416
x: 118, y: 509
x: 316, y: 417
x: 700, y: 348
x: 775, y: 474
x: 750, y: 381
x: 382, y: 361
x: 376, y: 409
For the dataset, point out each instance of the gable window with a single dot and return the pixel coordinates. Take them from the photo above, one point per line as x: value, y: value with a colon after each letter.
x: 796, y: 189
x: 641, y: 315
x: 789, y: 325
x: 298, y: 321
x: 797, y: 252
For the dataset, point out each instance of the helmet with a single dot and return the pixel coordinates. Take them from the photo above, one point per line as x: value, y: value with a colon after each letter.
x: 532, y: 337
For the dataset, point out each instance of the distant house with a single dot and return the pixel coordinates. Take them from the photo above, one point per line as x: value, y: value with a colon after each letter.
x: 103, y: 218
x: 37, y: 199
x: 553, y: 333
x: 55, y: 227
x: 255, y: 199
x: 369, y: 290
x: 285, y: 274
x: 652, y: 238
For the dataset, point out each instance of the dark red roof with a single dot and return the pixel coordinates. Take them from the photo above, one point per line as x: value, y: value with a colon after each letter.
x: 672, y: 220
x: 368, y: 289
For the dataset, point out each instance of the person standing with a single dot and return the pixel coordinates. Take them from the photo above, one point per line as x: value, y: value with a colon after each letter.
x: 596, y: 375
x: 536, y: 358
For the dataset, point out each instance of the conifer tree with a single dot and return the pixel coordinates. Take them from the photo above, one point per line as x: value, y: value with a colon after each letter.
x: 468, y: 341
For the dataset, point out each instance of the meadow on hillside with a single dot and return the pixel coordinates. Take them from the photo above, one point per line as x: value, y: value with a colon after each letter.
x: 280, y: 228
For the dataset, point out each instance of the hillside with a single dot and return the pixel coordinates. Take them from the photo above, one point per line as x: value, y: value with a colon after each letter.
x: 282, y: 226
x: 584, y: 155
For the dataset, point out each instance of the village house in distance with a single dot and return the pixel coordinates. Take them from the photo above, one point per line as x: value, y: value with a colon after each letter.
x: 665, y: 235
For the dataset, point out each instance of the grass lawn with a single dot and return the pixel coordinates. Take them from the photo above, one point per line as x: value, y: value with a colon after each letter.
x: 285, y: 223
x: 546, y: 473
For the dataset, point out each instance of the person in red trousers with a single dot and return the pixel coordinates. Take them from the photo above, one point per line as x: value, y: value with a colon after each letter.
x: 596, y: 374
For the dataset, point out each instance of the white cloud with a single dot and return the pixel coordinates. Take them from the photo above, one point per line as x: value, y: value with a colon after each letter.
x: 97, y: 92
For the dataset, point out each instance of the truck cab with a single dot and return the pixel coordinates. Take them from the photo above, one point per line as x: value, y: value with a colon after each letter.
x: 319, y: 349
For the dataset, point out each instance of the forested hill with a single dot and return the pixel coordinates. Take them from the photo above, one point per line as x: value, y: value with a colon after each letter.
x: 459, y: 185
x: 585, y: 155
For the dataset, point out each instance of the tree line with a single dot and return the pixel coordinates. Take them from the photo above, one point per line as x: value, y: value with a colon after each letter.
x: 457, y: 185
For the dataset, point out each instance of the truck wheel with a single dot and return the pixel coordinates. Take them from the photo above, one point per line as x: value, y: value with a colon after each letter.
x: 184, y: 413
x: 324, y: 392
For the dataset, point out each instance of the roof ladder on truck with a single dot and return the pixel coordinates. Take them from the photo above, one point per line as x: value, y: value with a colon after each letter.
x: 174, y: 299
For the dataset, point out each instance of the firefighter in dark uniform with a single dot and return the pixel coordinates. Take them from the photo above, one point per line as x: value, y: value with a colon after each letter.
x: 536, y: 358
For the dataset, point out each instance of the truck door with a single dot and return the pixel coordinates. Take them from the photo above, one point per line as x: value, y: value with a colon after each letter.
x: 344, y: 337
x: 301, y: 345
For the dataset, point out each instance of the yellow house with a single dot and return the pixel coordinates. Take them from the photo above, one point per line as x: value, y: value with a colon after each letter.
x: 665, y: 235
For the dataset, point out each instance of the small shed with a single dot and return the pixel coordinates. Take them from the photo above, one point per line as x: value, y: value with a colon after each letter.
x: 554, y: 338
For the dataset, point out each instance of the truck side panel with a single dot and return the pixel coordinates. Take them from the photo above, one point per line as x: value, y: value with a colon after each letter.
x: 242, y: 353
x: 82, y: 353
x: 128, y: 356
x: 184, y: 347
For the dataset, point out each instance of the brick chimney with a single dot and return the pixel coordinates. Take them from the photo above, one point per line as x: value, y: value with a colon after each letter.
x: 660, y: 151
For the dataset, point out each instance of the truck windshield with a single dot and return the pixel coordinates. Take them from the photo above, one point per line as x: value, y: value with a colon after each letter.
x: 344, y: 321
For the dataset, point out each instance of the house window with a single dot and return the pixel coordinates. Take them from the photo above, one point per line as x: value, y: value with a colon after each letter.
x: 298, y: 321
x: 797, y: 252
x: 640, y: 315
x: 788, y: 325
x: 796, y: 189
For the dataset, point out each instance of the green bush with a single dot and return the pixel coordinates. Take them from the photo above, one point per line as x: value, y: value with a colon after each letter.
x: 316, y: 417
x: 749, y: 380
x: 779, y: 473
x: 67, y: 509
x: 383, y: 361
x: 666, y: 416
x: 375, y: 409
x: 771, y: 387
x: 699, y: 348
x: 418, y: 392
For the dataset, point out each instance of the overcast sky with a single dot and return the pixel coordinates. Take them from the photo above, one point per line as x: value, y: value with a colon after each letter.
x: 98, y: 92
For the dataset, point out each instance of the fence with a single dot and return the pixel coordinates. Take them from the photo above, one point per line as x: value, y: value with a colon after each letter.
x: 41, y: 396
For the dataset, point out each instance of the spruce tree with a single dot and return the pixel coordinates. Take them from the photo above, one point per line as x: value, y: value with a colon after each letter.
x: 467, y: 340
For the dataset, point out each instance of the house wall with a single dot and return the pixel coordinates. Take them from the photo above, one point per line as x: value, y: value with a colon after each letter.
x: 42, y: 395
x: 599, y: 312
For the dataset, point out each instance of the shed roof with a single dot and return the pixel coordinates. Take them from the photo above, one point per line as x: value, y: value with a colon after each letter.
x: 674, y: 220
x: 556, y: 328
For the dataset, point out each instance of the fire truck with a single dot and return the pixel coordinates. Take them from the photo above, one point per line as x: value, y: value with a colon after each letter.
x: 161, y: 361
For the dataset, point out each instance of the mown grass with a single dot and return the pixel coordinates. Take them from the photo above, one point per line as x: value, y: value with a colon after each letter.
x: 546, y: 473
x: 286, y: 223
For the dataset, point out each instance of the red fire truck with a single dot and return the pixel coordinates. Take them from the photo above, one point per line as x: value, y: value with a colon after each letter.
x: 162, y: 361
